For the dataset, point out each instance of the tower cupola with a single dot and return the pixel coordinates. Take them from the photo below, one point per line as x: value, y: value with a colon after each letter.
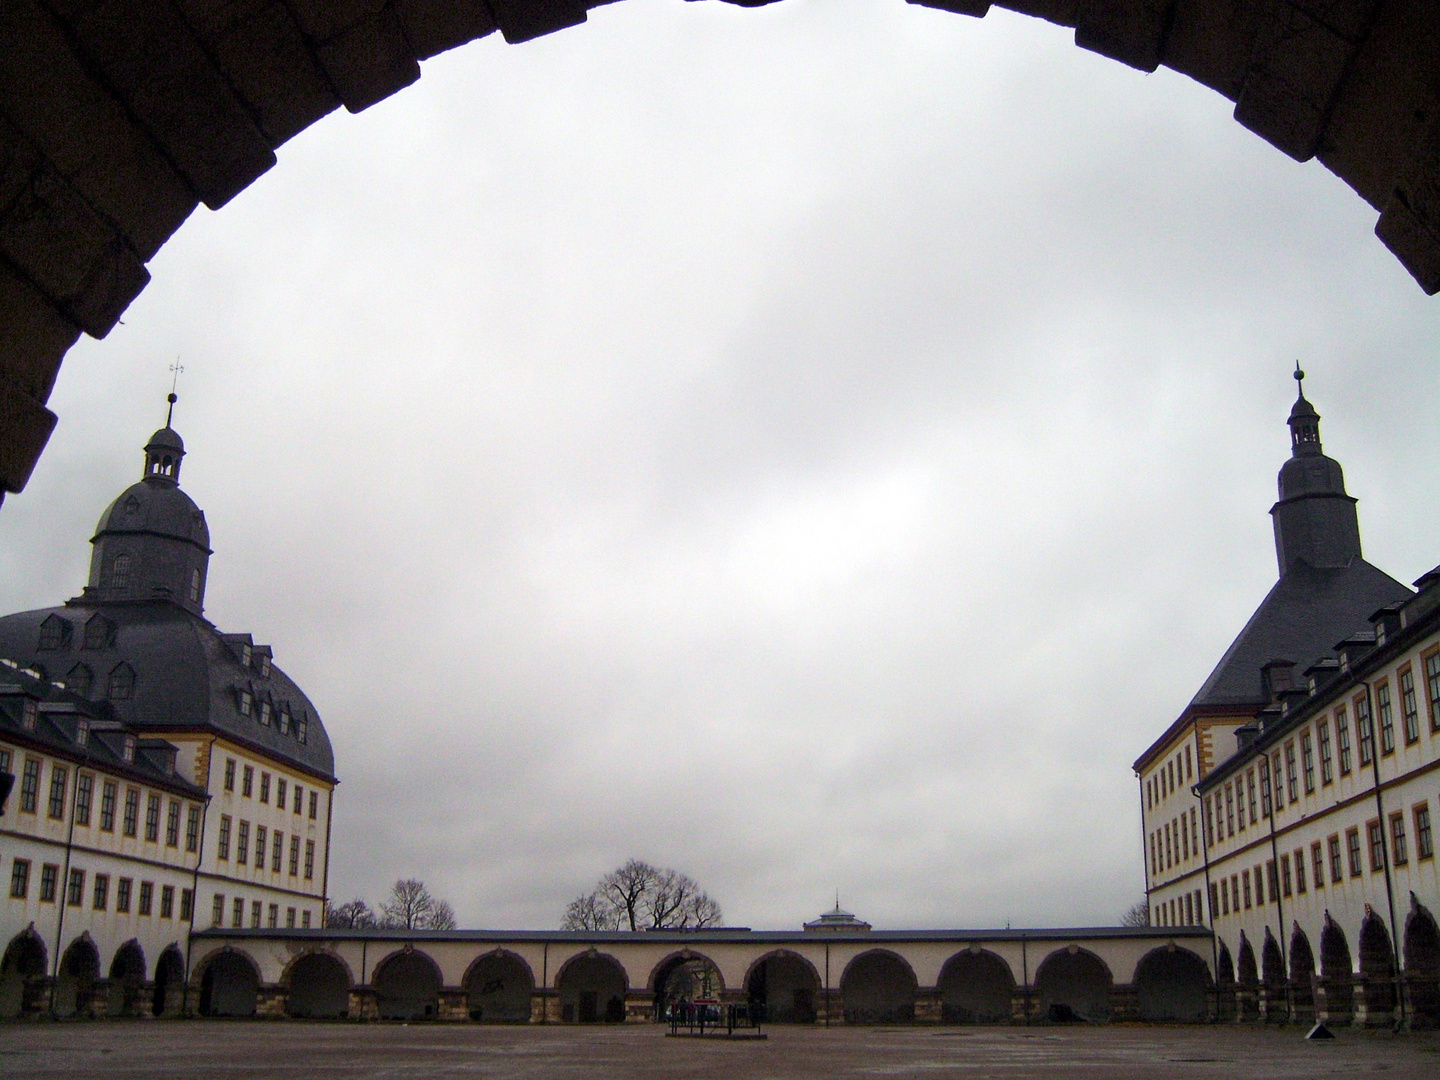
x: 1315, y: 520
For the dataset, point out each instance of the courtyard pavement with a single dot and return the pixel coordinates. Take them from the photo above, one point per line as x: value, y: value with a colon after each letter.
x: 180, y: 1050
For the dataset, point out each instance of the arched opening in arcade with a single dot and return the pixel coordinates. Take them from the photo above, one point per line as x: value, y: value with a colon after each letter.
x: 168, y: 997
x: 498, y: 989
x: 1073, y: 984
x: 1173, y: 984
x: 75, y: 982
x: 127, y: 980
x: 229, y: 986
x: 1247, y: 971
x: 878, y: 987
x: 22, y: 974
x: 319, y: 988
x: 1302, y: 973
x: 592, y: 989
x: 407, y: 987
x: 976, y: 987
x: 683, y: 979
x: 1377, y: 964
x: 1272, y: 962
x: 783, y: 988
x: 1422, y: 966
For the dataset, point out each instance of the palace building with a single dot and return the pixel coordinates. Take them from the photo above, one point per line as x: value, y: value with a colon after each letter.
x: 165, y: 775
x: 1289, y: 807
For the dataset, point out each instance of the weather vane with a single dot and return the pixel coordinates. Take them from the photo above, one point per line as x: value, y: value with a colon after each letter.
x: 176, y: 368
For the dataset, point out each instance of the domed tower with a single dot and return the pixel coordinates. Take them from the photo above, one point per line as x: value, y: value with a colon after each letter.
x: 1315, y: 520
x: 152, y: 543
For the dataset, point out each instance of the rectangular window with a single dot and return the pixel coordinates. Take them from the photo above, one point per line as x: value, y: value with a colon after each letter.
x: 309, y: 859
x: 281, y: 792
x: 1307, y: 761
x: 1365, y: 729
x: 107, y: 806
x: 1166, y: 833
x: 259, y: 847
x: 187, y: 903
x: 1352, y: 844
x: 1265, y: 786
x: 242, y: 843
x: 1272, y: 879
x: 1229, y: 810
x: 230, y: 774
x: 1194, y: 832
x: 1409, y: 714
x: 247, y: 783
x: 1245, y: 886
x: 1184, y: 837
x: 1327, y: 763
x: 255, y: 910
x: 59, y: 781
x: 1250, y: 795
x: 147, y: 895
x: 314, y: 803
x: 30, y: 786
x: 1285, y: 875
x: 1300, y: 871
x: 1375, y: 833
x: 1292, y: 780
x: 1342, y: 739
x: 1399, y: 850
x: 122, y: 895
x: 290, y: 918
x: 172, y: 824
x: 217, y: 910
x: 1209, y: 821
x: 192, y: 829
x: 295, y: 855
x: 222, y: 843
x: 132, y: 811
x: 20, y: 879
x: 1424, y: 845
x: 1432, y: 681
x: 1279, y: 781
x: 1337, y: 872
x: 305, y: 920
x: 152, y: 819
x: 277, y: 851
x: 1214, y: 901
x: 237, y: 913
x: 49, y: 879
x: 265, y: 787
x: 299, y: 800
x: 84, y: 797
x: 1387, y: 717
x: 167, y: 901
x: 100, y: 897
x: 273, y: 921
x: 75, y: 895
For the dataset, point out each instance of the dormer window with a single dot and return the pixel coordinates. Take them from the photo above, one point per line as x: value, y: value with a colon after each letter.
x: 82, y: 733
x: 265, y: 713
x: 247, y: 703
x: 194, y: 585
x: 127, y: 752
x: 120, y: 572
x: 1379, y: 634
x: 245, y: 654
x: 79, y: 679
x: 1312, y: 685
x: 1344, y: 660
x: 284, y: 721
x: 99, y: 632
x: 122, y: 682
x: 264, y: 665
x: 54, y: 633
x: 30, y: 714
x: 301, y: 728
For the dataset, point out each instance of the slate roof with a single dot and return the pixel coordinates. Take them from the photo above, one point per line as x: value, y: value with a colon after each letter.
x: 1301, y: 619
x: 186, y: 676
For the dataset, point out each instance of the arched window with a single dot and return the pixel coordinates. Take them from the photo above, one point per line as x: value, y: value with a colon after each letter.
x: 122, y: 682
x: 194, y: 585
x: 120, y: 572
x: 79, y: 680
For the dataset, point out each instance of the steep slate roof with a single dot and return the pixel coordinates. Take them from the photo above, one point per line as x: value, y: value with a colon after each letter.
x: 1301, y: 619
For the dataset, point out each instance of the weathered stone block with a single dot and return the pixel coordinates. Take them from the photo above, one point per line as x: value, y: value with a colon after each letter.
x: 369, y: 62
x: 26, y: 424
x: 521, y: 20
x: 433, y: 26
x: 1131, y: 31
x: 1212, y: 42
x: 1348, y: 18
x: 325, y: 19
x: 34, y: 337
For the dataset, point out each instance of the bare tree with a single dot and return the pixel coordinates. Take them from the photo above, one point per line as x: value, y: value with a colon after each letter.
x: 639, y: 895
x: 1138, y: 915
x: 441, y: 917
x: 351, y: 915
x: 411, y: 907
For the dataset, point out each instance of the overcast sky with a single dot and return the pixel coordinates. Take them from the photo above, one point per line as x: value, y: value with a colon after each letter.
x: 816, y: 447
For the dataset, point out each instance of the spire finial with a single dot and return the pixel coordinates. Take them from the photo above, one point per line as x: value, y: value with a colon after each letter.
x: 171, y: 397
x: 1299, y: 378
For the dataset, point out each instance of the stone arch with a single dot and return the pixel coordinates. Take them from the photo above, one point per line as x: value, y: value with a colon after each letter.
x: 1246, y: 970
x: 682, y: 976
x: 169, y: 993
x: 1377, y: 963
x: 592, y: 988
x: 1272, y: 961
x: 237, y: 90
x: 75, y: 981
x: 22, y: 972
x: 127, y: 979
x: 878, y: 987
x: 1225, y: 966
x: 976, y: 987
x: 1073, y: 984
x: 1334, y: 952
x: 783, y: 987
x: 229, y: 984
x: 498, y: 988
x: 319, y: 987
x: 1422, y: 966
x: 1302, y: 971
x: 1172, y: 983
x: 407, y: 986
